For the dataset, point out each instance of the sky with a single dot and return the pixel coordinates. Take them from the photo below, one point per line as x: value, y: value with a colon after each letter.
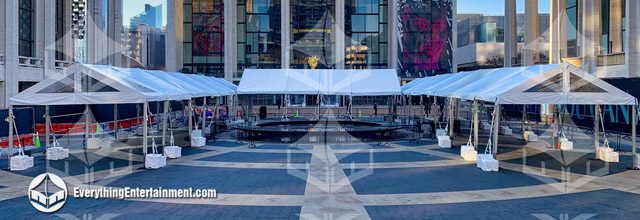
x: 132, y: 8
x: 495, y: 7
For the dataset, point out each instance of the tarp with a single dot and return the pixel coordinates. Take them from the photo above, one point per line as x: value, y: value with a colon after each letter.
x: 325, y: 82
x: 540, y: 84
x: 81, y: 84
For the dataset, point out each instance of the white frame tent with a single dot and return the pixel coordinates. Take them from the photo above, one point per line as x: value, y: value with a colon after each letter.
x: 85, y: 84
x: 557, y: 84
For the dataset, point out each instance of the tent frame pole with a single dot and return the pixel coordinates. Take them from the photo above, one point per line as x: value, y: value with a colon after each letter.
x: 475, y: 123
x: 190, y: 109
x: 634, y: 116
x: 204, y: 119
x: 115, y: 121
x: 47, y: 130
x: 145, y: 120
x: 164, y: 122
x: 496, y: 129
x: 596, y: 132
x: 451, y: 115
x: 524, y: 120
x: 10, y: 118
x: 86, y: 125
x: 556, y: 118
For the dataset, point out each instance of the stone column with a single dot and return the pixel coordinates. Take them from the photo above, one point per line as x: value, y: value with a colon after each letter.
x: 615, y: 25
x: 392, y: 61
x: 68, y: 31
x: 557, y: 32
x: 510, y: 32
x: 591, y: 34
x: 285, y: 34
x: 114, y: 32
x: 531, y: 33
x: 454, y: 34
x: 49, y: 59
x: 339, y: 51
x: 632, y: 45
x: 95, y: 33
x: 10, y: 49
x: 175, y: 36
x: 231, y: 39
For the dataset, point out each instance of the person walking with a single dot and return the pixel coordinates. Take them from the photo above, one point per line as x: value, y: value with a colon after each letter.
x: 375, y: 109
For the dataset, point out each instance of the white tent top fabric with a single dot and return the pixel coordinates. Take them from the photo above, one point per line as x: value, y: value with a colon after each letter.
x: 541, y: 84
x: 95, y: 84
x: 325, y: 82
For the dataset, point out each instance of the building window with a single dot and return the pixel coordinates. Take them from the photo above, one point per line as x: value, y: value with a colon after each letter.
x: 60, y: 30
x: 605, y: 12
x: 204, y: 37
x: 312, y: 33
x: 573, y: 49
x: 259, y: 40
x: 26, y: 28
x: 366, y: 30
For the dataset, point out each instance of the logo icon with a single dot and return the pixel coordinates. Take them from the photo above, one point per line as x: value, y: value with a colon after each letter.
x: 47, y: 193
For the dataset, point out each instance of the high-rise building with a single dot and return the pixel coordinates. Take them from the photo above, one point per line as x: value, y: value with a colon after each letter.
x: 152, y: 16
x: 222, y: 38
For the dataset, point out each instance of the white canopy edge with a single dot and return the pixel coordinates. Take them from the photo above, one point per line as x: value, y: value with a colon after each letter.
x: 112, y: 85
x: 325, y: 82
x: 540, y: 84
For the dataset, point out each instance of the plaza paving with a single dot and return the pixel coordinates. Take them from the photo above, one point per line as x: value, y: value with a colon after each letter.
x: 350, y: 181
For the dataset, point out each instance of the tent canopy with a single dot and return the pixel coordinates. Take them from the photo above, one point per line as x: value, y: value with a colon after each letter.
x: 325, y: 82
x: 540, y: 84
x: 96, y: 84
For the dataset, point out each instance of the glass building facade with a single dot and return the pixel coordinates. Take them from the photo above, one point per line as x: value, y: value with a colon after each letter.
x: 204, y: 37
x: 286, y: 33
x: 259, y: 41
x: 366, y: 33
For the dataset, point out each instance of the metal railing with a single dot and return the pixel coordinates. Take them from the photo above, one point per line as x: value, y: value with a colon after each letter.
x: 32, y: 62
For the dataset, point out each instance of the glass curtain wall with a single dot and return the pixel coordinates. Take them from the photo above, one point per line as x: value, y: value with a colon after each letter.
x: 312, y: 33
x: 204, y: 37
x: 366, y: 34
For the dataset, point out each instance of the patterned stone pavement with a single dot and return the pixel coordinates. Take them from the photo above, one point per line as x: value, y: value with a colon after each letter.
x: 350, y: 181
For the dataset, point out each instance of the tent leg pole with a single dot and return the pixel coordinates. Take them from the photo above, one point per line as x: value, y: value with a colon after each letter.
x: 115, y: 121
x: 190, y: 109
x: 475, y: 123
x: 86, y: 125
x: 451, y: 116
x: 633, y: 135
x: 164, y: 122
x: 204, y: 103
x: 10, y: 134
x: 158, y: 113
x: 47, y: 130
x: 524, y: 119
x: 555, y: 126
x: 145, y: 120
x: 496, y: 130
x: 596, y: 132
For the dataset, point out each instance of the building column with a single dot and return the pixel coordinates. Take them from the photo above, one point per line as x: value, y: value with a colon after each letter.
x: 285, y: 34
x: 339, y: 52
x: 114, y: 32
x: 230, y: 36
x: 615, y: 18
x: 67, y: 38
x: 175, y: 36
x: 49, y: 59
x: 11, y: 17
x: 510, y: 33
x: 591, y: 34
x: 454, y: 34
x: 392, y: 60
x: 531, y: 33
x: 632, y: 34
x: 558, y: 31
x: 95, y: 32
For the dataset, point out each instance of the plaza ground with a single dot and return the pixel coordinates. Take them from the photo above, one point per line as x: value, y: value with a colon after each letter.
x: 348, y: 181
